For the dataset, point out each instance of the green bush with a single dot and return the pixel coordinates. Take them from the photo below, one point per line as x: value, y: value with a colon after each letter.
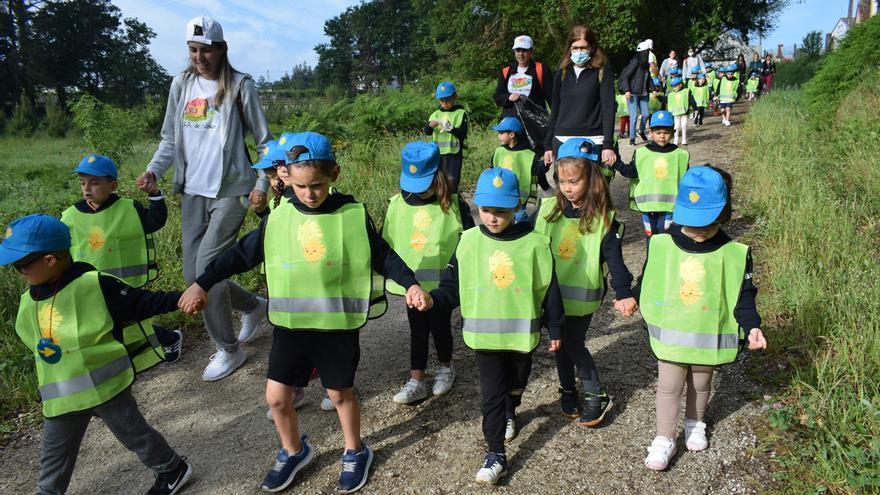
x: 24, y: 118
x: 793, y: 73
x: 57, y: 121
x: 152, y: 112
x: 106, y: 129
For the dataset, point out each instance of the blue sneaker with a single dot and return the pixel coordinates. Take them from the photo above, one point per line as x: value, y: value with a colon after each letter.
x: 494, y: 467
x: 286, y: 467
x: 355, y: 469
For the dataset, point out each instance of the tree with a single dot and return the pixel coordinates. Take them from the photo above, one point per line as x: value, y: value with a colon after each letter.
x: 812, y: 45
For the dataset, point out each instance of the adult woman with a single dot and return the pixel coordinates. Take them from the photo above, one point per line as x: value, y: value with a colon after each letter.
x: 693, y: 60
x: 526, y: 78
x: 209, y: 106
x: 669, y: 63
x: 583, y: 102
x: 741, y: 74
x: 768, y: 70
x: 633, y: 81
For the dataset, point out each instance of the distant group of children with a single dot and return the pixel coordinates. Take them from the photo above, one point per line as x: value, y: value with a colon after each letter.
x: 327, y: 269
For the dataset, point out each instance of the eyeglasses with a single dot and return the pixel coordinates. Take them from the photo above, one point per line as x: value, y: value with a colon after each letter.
x: 522, y: 50
x: 27, y: 261
x: 579, y: 48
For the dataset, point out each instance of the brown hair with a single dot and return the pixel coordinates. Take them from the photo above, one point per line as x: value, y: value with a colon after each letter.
x: 325, y: 166
x: 225, y: 77
x: 597, y: 201
x: 443, y: 191
x: 277, y: 191
x: 597, y: 55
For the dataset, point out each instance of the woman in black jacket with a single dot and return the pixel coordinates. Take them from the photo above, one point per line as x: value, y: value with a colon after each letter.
x: 633, y: 81
x: 524, y: 78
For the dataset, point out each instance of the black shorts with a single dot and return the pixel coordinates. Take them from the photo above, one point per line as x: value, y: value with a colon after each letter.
x: 295, y: 352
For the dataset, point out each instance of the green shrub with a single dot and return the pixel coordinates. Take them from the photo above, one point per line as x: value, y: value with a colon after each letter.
x: 794, y: 73
x: 152, y: 112
x: 24, y: 118
x: 106, y: 129
x: 57, y: 121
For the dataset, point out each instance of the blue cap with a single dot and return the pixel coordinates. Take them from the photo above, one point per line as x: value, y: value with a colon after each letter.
x: 497, y: 188
x: 33, y: 234
x: 419, y: 162
x: 511, y: 124
x: 732, y: 67
x: 675, y: 81
x: 675, y: 70
x: 694, y: 70
x: 97, y: 165
x: 279, y: 152
x: 579, y: 148
x: 708, y: 65
x: 264, y: 163
x: 445, y: 90
x: 662, y: 119
x: 702, y: 196
x: 317, y: 147
x: 701, y: 74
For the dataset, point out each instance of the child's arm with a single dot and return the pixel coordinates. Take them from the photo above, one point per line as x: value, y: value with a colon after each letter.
x: 428, y: 129
x: 637, y: 289
x: 127, y: 304
x: 154, y: 216
x: 387, y: 262
x: 621, y: 278
x: 627, y: 170
x: 692, y: 103
x: 467, y: 221
x: 244, y: 255
x: 746, y: 311
x: 461, y: 132
x: 446, y: 297
x: 554, y: 312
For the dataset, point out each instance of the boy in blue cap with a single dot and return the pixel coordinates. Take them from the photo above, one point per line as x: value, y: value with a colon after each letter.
x: 698, y: 300
x: 72, y: 318
x: 514, y: 154
x: 502, y: 275
x: 654, y: 173
x: 115, y: 235
x: 728, y: 87
x: 448, y: 127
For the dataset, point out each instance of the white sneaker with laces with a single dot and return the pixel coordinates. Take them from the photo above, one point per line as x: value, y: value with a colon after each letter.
x: 412, y: 391
x: 695, y: 435
x: 493, y: 469
x: 253, y: 321
x: 299, y: 400
x: 443, y: 379
x: 659, y: 453
x: 223, y: 364
x: 327, y: 404
x: 510, y: 430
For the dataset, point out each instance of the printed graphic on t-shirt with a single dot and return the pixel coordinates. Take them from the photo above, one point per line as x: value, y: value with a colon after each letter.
x: 199, y: 114
x: 520, y: 84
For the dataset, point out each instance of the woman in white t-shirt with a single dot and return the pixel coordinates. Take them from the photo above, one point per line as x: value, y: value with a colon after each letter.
x: 210, y: 105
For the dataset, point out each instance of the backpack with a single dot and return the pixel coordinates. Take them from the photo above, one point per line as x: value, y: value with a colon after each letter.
x: 539, y: 69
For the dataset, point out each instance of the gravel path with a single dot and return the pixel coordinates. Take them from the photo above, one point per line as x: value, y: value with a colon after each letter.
x: 435, y: 447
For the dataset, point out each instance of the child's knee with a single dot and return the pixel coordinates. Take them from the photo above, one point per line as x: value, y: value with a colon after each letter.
x: 341, y: 396
x: 278, y: 399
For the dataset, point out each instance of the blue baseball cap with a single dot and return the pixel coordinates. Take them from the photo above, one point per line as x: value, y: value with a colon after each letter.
x: 279, y: 152
x: 419, y: 163
x: 661, y: 119
x: 701, y: 74
x: 317, y: 147
x: 33, y: 234
x: 675, y: 70
x: 708, y: 65
x: 444, y: 90
x: 675, y: 81
x: 97, y: 165
x: 264, y: 163
x: 694, y: 70
x: 511, y: 124
x: 497, y: 188
x: 579, y: 148
x: 702, y: 196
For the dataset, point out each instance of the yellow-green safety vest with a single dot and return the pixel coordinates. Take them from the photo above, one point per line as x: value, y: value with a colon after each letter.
x: 79, y: 363
x: 656, y: 186
x: 622, y: 109
x: 520, y: 163
x: 319, y: 269
x: 578, y: 259
x: 701, y: 95
x: 502, y: 285
x: 424, y: 237
x: 654, y: 103
x: 446, y: 141
x: 688, y: 299
x: 678, y: 102
x: 752, y: 85
x: 727, y: 90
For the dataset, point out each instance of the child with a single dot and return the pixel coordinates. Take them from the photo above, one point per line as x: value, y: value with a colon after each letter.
x: 727, y: 89
x: 502, y: 277
x: 678, y: 103
x: 716, y: 85
x: 114, y: 235
x: 423, y: 225
x: 72, y: 318
x: 583, y: 237
x: 673, y: 73
x: 655, y: 172
x: 657, y: 95
x: 515, y: 155
x: 752, y: 85
x: 697, y: 297
x: 622, y: 115
x: 448, y: 127
x: 320, y: 293
x: 701, y: 95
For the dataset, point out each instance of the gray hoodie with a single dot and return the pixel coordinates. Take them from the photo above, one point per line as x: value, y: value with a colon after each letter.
x: 239, y: 179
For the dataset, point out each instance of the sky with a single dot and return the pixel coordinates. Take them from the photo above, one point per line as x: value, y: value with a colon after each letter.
x: 273, y: 36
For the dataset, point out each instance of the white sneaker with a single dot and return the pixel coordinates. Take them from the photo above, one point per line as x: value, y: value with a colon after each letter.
x: 253, y: 321
x: 299, y: 400
x: 327, y: 404
x: 412, y: 391
x: 510, y: 430
x: 443, y: 379
x: 695, y: 435
x: 659, y: 453
x: 223, y: 364
x: 684, y: 142
x: 675, y: 141
x: 494, y: 467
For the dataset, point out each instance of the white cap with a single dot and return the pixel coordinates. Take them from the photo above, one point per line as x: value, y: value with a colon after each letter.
x: 522, y: 41
x: 648, y: 44
x: 204, y: 30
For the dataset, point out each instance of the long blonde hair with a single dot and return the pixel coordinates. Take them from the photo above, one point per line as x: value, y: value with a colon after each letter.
x: 225, y: 77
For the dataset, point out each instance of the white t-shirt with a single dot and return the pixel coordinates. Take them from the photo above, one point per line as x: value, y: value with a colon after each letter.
x: 520, y: 83
x: 202, y: 142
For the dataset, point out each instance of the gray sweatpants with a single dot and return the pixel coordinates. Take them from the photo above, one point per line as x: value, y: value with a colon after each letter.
x: 210, y: 227
x: 62, y: 436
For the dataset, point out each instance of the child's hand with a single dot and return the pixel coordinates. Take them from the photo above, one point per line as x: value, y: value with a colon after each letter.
x: 147, y: 183
x: 555, y: 345
x: 548, y: 157
x: 258, y: 200
x: 193, y: 299
x: 626, y: 307
x: 433, y: 123
x: 417, y: 298
x: 757, y: 340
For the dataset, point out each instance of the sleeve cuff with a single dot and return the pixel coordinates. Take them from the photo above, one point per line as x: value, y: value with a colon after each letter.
x: 623, y: 293
x: 158, y: 197
x: 555, y: 332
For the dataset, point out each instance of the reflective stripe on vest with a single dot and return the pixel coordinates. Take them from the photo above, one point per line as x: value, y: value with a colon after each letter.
x: 727, y: 90
x: 142, y: 345
x: 318, y: 268
x: 678, y: 102
x: 655, y: 188
x: 113, y: 241
x: 502, y: 284
x: 578, y: 259
x: 520, y: 163
x: 701, y: 95
x: 79, y: 363
x: 424, y: 237
x: 446, y: 141
x: 688, y: 300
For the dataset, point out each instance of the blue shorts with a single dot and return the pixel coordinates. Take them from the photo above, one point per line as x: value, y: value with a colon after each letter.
x: 726, y: 105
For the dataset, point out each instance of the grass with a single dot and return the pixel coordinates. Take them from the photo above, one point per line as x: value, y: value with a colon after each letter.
x: 816, y: 201
x: 36, y: 178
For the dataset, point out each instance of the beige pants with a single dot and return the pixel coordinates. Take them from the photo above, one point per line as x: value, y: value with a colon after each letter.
x: 671, y: 378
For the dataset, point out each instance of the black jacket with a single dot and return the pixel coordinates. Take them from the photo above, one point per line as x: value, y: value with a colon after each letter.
x: 634, y: 77
x: 541, y: 95
x: 583, y: 106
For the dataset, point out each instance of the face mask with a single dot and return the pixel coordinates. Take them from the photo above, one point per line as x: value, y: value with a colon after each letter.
x: 580, y: 58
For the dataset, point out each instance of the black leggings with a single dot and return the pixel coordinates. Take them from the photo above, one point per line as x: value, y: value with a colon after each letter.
x: 433, y: 322
x: 700, y: 112
x: 575, y: 355
x: 503, y: 377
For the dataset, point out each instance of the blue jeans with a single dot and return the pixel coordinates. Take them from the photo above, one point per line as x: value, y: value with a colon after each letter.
x: 637, y: 105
